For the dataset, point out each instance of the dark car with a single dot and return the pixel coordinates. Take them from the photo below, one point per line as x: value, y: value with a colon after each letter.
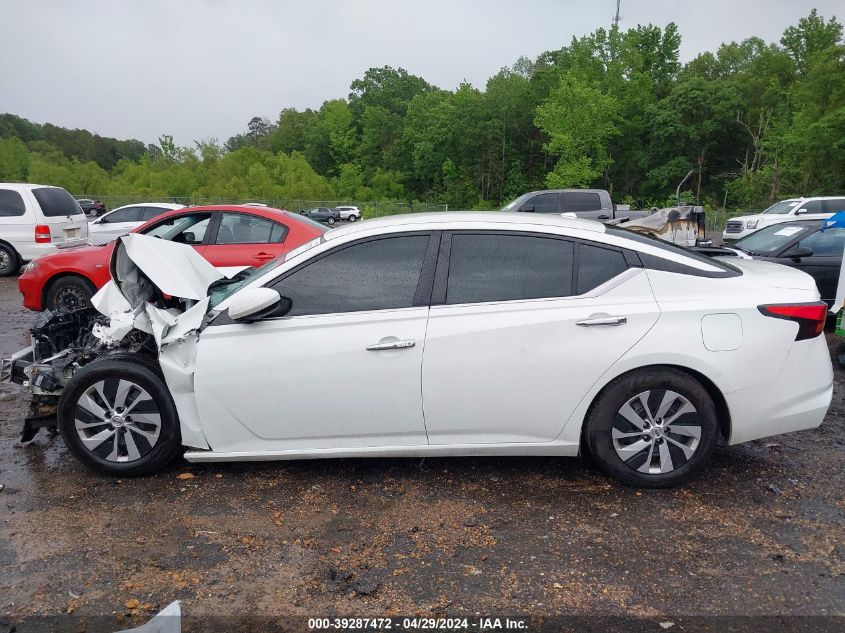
x: 92, y: 208
x: 802, y: 245
x: 322, y: 214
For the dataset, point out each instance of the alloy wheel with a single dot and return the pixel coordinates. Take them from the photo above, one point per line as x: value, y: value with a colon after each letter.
x: 117, y: 420
x: 656, y: 431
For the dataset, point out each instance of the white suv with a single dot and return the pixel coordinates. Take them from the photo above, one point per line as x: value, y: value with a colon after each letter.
x: 817, y: 208
x: 34, y: 221
x: 350, y: 214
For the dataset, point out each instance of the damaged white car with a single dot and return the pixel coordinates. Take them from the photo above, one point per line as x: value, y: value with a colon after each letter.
x: 432, y: 335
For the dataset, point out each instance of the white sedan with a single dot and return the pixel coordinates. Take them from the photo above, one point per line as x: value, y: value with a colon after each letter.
x: 124, y: 219
x: 448, y: 334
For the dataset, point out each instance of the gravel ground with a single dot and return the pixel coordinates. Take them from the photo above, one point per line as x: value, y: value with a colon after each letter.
x: 760, y: 533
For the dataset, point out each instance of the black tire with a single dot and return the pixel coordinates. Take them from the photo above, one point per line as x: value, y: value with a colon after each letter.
x: 93, y: 213
x: 351, y: 218
x: 606, y: 421
x: 10, y: 262
x: 69, y: 293
x: 330, y: 221
x: 840, y: 355
x: 112, y: 455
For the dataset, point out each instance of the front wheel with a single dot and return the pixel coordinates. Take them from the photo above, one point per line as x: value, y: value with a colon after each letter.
x: 116, y: 416
x: 653, y: 428
x: 69, y: 293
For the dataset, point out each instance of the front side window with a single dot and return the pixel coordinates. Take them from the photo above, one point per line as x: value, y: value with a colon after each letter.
x: 240, y: 228
x: 813, y: 206
x: 828, y: 243
x: 185, y: 229
x: 11, y: 204
x: 490, y: 267
x: 575, y: 201
x: 56, y: 202
x: 379, y: 274
x: 543, y: 203
x: 129, y: 214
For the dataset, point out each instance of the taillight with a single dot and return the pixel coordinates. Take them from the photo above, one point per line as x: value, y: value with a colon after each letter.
x: 42, y: 234
x: 810, y: 317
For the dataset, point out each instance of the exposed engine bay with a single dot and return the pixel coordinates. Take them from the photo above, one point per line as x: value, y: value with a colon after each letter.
x: 155, y: 305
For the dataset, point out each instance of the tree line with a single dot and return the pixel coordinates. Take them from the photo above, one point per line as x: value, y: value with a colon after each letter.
x: 614, y: 109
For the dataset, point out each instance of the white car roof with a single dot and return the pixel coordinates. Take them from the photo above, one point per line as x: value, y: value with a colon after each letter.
x: 421, y: 220
x: 161, y: 205
x: 24, y: 186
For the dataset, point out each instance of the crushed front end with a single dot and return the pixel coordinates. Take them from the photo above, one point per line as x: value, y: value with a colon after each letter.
x: 62, y: 342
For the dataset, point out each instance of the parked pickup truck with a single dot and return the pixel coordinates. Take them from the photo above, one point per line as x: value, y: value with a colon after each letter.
x: 593, y: 204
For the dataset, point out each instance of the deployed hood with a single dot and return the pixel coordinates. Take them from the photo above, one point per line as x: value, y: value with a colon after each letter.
x: 141, y: 264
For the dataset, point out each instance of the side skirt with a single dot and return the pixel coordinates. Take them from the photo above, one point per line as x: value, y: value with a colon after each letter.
x: 460, y: 450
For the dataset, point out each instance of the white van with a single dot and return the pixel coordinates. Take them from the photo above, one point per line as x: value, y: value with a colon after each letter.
x: 34, y: 221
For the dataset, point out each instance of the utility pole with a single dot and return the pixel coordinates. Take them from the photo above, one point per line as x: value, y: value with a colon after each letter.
x: 617, y: 17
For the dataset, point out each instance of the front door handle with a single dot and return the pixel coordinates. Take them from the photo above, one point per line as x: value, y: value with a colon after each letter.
x: 603, y: 320
x: 404, y: 344
x: 263, y: 257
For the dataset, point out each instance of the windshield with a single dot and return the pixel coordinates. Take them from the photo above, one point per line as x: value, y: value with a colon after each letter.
x: 771, y: 239
x: 783, y: 207
x: 225, y: 288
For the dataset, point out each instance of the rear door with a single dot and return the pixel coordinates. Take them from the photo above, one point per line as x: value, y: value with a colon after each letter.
x: 61, y: 212
x: 243, y: 239
x: 514, y: 339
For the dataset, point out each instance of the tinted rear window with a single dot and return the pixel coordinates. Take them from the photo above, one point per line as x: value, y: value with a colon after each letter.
x: 597, y: 265
x: 575, y: 201
x: 508, y: 267
x: 56, y: 202
x: 11, y: 204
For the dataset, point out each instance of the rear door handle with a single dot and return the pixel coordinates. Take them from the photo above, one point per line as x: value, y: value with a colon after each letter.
x: 603, y: 320
x: 404, y: 344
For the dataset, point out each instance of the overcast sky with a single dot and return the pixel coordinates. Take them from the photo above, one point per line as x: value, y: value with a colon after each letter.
x: 202, y: 68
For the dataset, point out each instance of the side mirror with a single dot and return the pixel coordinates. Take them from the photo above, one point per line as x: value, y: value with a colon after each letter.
x: 527, y: 208
x: 799, y: 252
x: 257, y: 303
x: 801, y: 211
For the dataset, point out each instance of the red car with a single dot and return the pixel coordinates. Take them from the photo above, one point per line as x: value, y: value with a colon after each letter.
x: 227, y: 236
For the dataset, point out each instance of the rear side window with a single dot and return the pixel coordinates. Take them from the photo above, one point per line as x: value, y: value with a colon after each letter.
x: 240, y: 228
x: 597, y: 265
x: 56, y: 202
x: 11, y: 204
x: 833, y: 206
x: 152, y: 212
x: 376, y: 275
x: 489, y: 267
x: 575, y: 201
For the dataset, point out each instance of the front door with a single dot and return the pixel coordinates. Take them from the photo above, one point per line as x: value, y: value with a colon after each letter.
x: 243, y: 239
x: 341, y: 370
x: 520, y: 336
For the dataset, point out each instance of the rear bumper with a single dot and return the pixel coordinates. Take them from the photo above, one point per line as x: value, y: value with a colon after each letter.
x: 798, y: 399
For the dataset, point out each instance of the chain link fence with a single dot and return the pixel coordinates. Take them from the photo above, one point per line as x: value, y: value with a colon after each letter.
x: 370, y: 209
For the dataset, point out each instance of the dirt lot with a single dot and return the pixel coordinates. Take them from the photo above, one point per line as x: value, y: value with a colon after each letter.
x: 761, y: 533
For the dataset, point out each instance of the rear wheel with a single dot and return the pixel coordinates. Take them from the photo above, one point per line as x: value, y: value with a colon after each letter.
x: 69, y: 293
x: 352, y: 218
x: 330, y: 221
x: 9, y: 261
x: 653, y: 428
x: 117, y: 417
